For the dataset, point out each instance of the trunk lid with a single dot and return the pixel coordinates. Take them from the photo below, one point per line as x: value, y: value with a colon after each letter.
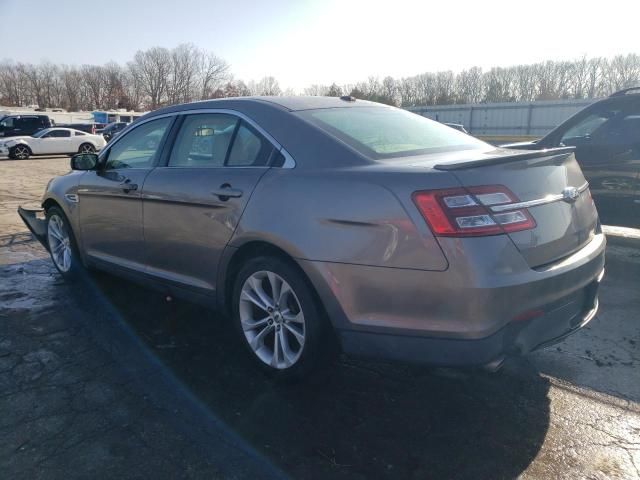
x: 565, y: 216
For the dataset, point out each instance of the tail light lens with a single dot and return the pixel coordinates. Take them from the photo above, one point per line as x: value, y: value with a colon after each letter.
x: 465, y: 212
x: 93, y: 129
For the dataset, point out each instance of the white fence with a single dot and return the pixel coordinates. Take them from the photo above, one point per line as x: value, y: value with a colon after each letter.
x: 506, y: 119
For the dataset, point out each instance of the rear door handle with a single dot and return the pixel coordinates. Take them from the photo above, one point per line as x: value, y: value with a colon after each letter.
x: 225, y: 192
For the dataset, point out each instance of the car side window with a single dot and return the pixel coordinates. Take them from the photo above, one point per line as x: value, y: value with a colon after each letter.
x: 7, y: 122
x: 249, y: 148
x: 203, y: 140
x: 585, y: 127
x: 623, y: 131
x: 58, y: 134
x: 139, y: 147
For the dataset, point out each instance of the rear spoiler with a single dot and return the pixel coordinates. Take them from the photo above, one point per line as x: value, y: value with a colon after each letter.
x: 513, y: 156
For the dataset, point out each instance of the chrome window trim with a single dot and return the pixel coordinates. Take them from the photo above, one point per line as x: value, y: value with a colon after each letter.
x: 289, y: 161
x: 537, y: 202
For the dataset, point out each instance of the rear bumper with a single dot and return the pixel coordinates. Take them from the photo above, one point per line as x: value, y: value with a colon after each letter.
x: 487, y: 305
x: 517, y: 338
x: 37, y: 226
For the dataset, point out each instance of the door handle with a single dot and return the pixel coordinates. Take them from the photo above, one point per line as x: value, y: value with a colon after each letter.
x: 225, y: 192
x: 127, y: 186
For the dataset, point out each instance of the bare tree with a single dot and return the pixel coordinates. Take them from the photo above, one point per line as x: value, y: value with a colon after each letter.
x: 317, y: 90
x: 152, y: 68
x: 623, y: 72
x: 13, y: 88
x: 213, y: 73
x: 334, y: 90
x: 160, y: 76
x: 268, y: 86
x: 469, y: 86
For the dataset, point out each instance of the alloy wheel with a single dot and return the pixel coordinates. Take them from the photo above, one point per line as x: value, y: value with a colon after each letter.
x: 272, y: 319
x: 21, y: 152
x: 59, y: 243
x: 86, y: 149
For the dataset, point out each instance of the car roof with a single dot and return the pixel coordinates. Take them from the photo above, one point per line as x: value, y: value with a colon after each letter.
x: 51, y: 129
x: 276, y: 116
x: 290, y: 104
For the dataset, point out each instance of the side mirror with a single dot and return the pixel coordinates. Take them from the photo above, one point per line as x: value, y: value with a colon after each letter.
x: 84, y: 161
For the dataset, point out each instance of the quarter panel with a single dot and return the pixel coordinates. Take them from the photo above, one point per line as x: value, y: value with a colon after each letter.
x: 342, y: 215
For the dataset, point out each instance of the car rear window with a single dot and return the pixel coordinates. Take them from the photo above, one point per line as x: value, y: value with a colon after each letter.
x: 385, y: 132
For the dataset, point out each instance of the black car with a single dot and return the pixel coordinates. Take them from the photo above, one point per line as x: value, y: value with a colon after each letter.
x: 113, y: 129
x: 20, y: 125
x: 606, y: 137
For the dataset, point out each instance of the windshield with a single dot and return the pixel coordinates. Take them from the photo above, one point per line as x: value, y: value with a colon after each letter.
x: 6, y: 122
x: 380, y: 132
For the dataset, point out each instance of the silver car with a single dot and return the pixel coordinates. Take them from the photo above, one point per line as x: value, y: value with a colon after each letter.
x: 314, y: 218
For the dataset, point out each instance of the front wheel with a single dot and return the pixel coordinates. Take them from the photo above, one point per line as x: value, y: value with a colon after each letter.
x: 20, y: 152
x: 278, y: 318
x: 62, y: 246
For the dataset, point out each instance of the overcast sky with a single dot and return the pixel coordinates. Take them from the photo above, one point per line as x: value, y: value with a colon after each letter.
x: 303, y: 42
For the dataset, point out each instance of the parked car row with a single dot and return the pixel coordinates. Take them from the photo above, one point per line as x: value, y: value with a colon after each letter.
x: 112, y: 130
x: 50, y: 141
x: 22, y: 136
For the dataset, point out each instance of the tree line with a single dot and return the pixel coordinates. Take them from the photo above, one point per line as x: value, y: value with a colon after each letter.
x: 160, y: 76
x: 551, y: 80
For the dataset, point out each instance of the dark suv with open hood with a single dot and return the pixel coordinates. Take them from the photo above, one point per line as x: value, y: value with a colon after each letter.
x: 606, y: 137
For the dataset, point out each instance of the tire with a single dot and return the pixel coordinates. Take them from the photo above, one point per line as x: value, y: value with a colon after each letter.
x: 62, y: 245
x: 20, y: 152
x: 86, y: 148
x: 298, y: 324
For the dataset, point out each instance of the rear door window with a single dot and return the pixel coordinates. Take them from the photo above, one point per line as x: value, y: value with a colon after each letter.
x: 203, y: 140
x: 249, y: 148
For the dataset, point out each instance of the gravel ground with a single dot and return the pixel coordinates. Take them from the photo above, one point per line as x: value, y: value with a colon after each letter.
x: 106, y: 379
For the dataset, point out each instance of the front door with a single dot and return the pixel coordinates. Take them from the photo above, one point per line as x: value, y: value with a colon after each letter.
x: 194, y: 203
x: 110, y: 204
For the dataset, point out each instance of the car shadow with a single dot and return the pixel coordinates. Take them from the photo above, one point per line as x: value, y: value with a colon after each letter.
x: 604, y: 356
x: 353, y: 419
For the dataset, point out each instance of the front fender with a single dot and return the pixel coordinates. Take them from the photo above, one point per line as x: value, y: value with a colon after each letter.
x: 63, y: 191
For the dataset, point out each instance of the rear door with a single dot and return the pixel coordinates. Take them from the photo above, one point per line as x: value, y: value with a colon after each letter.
x: 193, y: 204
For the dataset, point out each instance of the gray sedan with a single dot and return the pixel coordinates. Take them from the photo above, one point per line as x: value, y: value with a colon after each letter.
x: 310, y: 219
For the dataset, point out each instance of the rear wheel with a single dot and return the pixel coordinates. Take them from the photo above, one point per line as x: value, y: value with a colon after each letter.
x: 86, y: 148
x: 278, y: 318
x: 20, y: 152
x: 62, y: 246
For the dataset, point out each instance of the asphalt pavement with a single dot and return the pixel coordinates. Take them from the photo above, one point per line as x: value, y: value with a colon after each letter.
x: 106, y: 379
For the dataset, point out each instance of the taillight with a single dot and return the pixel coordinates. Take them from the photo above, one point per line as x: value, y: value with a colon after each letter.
x: 459, y: 212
